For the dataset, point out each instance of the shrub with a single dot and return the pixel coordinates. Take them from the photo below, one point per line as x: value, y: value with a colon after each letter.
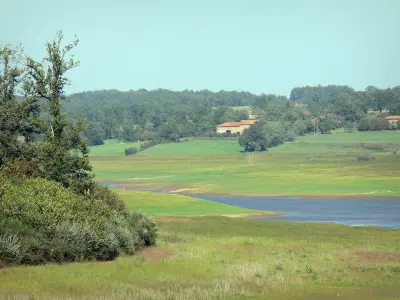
x: 130, y: 151
x: 20, y: 168
x: 41, y: 221
x: 10, y: 248
x: 149, y: 144
x: 145, y: 227
x: 104, y: 194
x: 372, y: 123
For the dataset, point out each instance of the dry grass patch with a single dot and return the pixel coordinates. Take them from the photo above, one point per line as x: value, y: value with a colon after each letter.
x: 156, y: 253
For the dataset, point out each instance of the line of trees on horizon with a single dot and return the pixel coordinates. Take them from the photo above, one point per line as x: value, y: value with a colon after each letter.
x: 168, y: 115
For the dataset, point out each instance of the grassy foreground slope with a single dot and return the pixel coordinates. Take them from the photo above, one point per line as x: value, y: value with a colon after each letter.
x: 216, y: 257
x: 321, y: 165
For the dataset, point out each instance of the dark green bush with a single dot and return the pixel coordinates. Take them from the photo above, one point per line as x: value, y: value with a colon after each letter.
x: 145, y: 228
x: 373, y: 123
x: 41, y: 221
x: 149, y: 144
x: 99, y: 192
x: 130, y: 151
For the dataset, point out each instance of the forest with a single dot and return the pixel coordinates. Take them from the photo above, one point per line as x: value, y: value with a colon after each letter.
x: 169, y: 115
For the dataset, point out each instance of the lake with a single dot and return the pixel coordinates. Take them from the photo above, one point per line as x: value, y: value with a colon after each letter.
x: 354, y: 212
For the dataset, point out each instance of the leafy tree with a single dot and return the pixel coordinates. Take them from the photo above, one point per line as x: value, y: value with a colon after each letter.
x: 170, y: 131
x: 254, y: 138
x: 94, y: 134
x: 18, y: 117
x: 325, y: 126
x: 63, y: 153
x: 346, y: 107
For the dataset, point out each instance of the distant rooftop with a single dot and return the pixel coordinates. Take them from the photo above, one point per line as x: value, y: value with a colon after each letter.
x: 392, y: 118
x: 237, y: 124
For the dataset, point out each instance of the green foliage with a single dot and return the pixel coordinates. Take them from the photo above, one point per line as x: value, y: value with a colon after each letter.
x: 130, y: 151
x: 111, y: 199
x: 254, y: 138
x: 145, y: 227
x: 349, y: 127
x: 51, y: 210
x: 63, y: 153
x: 149, y: 144
x: 373, y: 123
x: 18, y: 118
x: 325, y: 126
x: 44, y: 222
x: 10, y: 248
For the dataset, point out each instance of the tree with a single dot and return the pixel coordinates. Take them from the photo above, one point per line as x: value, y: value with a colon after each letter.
x: 63, y: 154
x: 254, y: 138
x: 18, y: 117
x: 346, y: 107
x: 169, y: 131
x: 325, y: 126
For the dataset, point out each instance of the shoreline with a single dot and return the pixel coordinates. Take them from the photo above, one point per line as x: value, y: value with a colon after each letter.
x: 186, y: 192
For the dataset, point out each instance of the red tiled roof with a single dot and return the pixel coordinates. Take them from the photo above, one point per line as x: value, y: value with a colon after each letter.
x: 230, y: 124
x: 237, y: 124
x: 392, y: 118
x: 307, y: 113
x: 248, y: 122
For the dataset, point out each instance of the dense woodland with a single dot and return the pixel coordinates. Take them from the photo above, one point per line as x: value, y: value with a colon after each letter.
x: 167, y: 115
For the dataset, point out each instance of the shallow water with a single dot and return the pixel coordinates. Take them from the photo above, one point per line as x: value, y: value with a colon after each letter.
x: 354, y: 212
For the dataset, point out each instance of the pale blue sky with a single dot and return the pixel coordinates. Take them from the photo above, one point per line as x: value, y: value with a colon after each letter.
x: 253, y: 45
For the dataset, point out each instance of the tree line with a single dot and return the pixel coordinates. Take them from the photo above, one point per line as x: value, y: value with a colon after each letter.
x: 167, y: 115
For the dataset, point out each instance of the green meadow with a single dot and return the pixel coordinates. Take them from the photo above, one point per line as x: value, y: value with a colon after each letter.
x: 178, y: 205
x: 201, y: 255
x: 207, y: 250
x: 314, y: 165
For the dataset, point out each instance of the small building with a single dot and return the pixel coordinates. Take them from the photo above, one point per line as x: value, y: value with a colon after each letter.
x: 306, y: 113
x: 393, y: 120
x: 235, y: 127
x: 315, y: 120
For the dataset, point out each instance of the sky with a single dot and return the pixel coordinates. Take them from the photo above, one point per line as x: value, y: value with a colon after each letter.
x: 259, y: 46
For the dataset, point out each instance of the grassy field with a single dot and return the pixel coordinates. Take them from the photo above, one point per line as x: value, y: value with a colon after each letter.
x: 112, y: 148
x: 320, y: 165
x: 178, y: 205
x: 214, y: 257
x: 203, y: 254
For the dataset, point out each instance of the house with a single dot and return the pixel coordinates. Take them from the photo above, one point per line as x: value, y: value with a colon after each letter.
x: 315, y: 120
x: 235, y: 127
x: 306, y: 113
x: 393, y: 120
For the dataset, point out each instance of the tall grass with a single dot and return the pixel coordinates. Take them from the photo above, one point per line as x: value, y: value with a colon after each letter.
x: 221, y: 258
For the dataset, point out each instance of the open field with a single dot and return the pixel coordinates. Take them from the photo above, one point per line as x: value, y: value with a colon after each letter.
x: 112, y: 148
x: 178, y: 205
x: 214, y: 257
x: 320, y: 165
